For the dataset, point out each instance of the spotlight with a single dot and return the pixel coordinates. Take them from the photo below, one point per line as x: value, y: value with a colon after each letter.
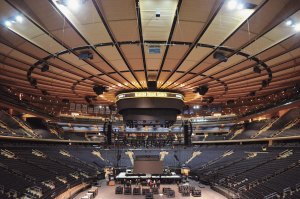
x: 45, y: 68
x: 45, y: 93
x: 19, y: 19
x: 232, y: 4
x: 202, y: 90
x: 240, y: 7
x: 252, y: 94
x: 289, y: 22
x: 256, y: 69
x: 86, y: 56
x: 8, y: 23
x: 211, y: 100
x: 99, y: 90
x: 33, y: 82
x: 264, y: 83
x: 87, y: 100
x: 220, y: 56
x: 73, y: 4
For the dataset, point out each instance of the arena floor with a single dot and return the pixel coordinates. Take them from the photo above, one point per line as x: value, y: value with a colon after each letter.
x: 108, y: 192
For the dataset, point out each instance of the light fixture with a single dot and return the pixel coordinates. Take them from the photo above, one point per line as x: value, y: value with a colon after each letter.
x: 256, y: 69
x: 19, y: 19
x: 45, y: 68
x: 232, y: 4
x: 289, y: 22
x: 297, y: 27
x: 8, y: 23
x: 73, y: 4
x: 220, y: 56
x: 240, y: 6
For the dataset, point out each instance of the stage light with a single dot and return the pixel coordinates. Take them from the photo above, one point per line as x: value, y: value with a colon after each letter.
x: 240, y: 7
x: 45, y: 68
x: 33, y: 82
x: 45, y: 93
x: 289, y: 22
x: 19, y: 19
x: 85, y: 56
x: 211, y: 100
x: 264, y: 83
x: 256, y: 69
x: 220, y: 56
x: 252, y: 94
x: 73, y: 4
x: 8, y: 23
x: 232, y: 4
x: 99, y: 90
x: 202, y: 90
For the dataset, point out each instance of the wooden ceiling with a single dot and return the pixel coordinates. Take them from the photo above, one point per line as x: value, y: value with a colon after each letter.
x: 119, y: 34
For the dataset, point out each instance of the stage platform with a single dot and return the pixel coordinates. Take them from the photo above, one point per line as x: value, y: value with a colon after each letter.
x: 164, y: 178
x: 105, y: 192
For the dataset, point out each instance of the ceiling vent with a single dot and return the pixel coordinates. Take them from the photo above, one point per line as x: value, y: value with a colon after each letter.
x: 154, y: 50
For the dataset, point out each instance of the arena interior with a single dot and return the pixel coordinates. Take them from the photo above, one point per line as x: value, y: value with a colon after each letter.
x: 149, y: 99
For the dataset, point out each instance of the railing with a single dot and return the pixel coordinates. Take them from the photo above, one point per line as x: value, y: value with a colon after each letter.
x: 2, y: 189
x: 266, y: 177
x: 279, y: 171
x: 287, y: 190
x: 16, y: 172
x: 242, y: 188
x: 253, y: 183
x: 265, y: 127
x: 30, y: 178
x: 3, y: 166
x: 272, y: 195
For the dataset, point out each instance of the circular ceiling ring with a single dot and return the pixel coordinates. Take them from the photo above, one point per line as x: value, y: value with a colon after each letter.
x: 244, y: 53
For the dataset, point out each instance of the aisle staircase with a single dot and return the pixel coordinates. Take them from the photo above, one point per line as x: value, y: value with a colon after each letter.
x: 97, y: 153
x: 163, y: 154
x: 195, y: 153
x: 238, y: 132
x: 265, y: 127
x: 287, y: 126
x: 229, y: 152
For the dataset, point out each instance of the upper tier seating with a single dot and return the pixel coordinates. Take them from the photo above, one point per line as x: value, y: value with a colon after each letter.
x: 280, y: 123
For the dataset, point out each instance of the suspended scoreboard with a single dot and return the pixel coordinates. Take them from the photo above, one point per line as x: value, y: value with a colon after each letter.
x: 150, y: 105
x: 150, y: 94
